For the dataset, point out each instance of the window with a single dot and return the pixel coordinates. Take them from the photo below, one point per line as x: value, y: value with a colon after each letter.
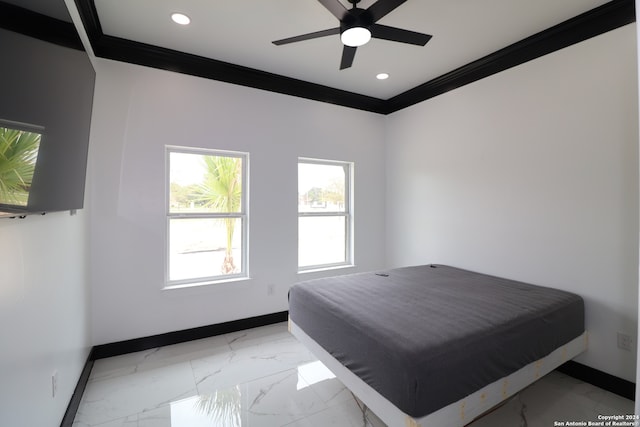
x: 206, y: 215
x: 324, y: 214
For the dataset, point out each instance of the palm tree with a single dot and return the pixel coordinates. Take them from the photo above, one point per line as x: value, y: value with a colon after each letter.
x: 222, y: 192
x: 18, y: 154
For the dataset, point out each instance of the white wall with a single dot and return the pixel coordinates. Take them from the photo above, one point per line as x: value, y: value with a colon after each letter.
x: 44, y: 319
x: 531, y: 174
x: 637, y: 403
x: 137, y: 111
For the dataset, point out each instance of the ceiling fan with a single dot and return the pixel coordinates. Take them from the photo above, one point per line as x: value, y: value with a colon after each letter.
x: 358, y: 26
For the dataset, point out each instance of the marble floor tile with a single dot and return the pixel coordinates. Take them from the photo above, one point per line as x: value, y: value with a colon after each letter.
x: 158, y: 357
x: 345, y: 414
x: 114, y: 398
x: 271, y: 401
x: 245, y: 362
x: 324, y: 383
x: 264, y: 377
x: 278, y: 400
x: 256, y: 336
x: 556, y: 398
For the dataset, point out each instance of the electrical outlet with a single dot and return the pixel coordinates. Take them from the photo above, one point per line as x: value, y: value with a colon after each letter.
x: 54, y: 384
x: 624, y: 341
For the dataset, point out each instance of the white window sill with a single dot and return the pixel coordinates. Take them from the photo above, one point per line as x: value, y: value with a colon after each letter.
x: 207, y: 283
x: 328, y: 268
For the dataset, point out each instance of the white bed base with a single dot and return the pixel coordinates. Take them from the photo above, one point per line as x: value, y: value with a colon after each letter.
x: 457, y: 414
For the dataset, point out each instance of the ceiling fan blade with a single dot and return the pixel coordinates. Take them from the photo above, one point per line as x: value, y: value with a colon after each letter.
x: 382, y: 8
x: 335, y: 7
x: 399, y: 35
x: 348, y: 53
x: 309, y: 36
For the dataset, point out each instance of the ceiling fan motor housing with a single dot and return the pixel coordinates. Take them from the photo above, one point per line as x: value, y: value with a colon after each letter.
x: 356, y: 17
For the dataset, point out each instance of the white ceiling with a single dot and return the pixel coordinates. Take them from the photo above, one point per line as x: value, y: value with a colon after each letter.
x: 241, y: 32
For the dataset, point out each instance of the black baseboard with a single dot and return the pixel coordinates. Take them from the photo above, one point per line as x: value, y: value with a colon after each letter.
x: 600, y: 379
x: 76, y: 397
x: 146, y: 343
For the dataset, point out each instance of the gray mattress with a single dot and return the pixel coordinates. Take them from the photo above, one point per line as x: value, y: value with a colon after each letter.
x: 426, y: 336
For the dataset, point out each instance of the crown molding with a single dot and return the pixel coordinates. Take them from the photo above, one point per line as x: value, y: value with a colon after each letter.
x: 166, y: 59
x: 597, y: 21
x: 36, y: 25
x: 607, y: 17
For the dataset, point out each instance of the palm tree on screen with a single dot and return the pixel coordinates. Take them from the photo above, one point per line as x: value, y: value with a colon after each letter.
x: 18, y: 154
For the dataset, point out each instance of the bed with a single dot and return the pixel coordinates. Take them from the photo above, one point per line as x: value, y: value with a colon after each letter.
x: 435, y: 345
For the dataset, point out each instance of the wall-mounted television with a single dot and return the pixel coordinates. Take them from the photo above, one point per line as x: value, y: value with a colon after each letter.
x: 45, y: 118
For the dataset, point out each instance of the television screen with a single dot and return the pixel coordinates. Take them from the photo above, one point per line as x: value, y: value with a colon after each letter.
x: 19, y: 146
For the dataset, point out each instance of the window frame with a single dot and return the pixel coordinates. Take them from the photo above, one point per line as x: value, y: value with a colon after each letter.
x: 243, y: 215
x: 347, y: 214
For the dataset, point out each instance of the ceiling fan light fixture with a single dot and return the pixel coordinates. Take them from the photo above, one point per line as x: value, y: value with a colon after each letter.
x: 355, y: 36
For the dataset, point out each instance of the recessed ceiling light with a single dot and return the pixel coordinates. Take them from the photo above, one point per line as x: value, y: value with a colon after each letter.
x: 382, y: 76
x: 180, y: 18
